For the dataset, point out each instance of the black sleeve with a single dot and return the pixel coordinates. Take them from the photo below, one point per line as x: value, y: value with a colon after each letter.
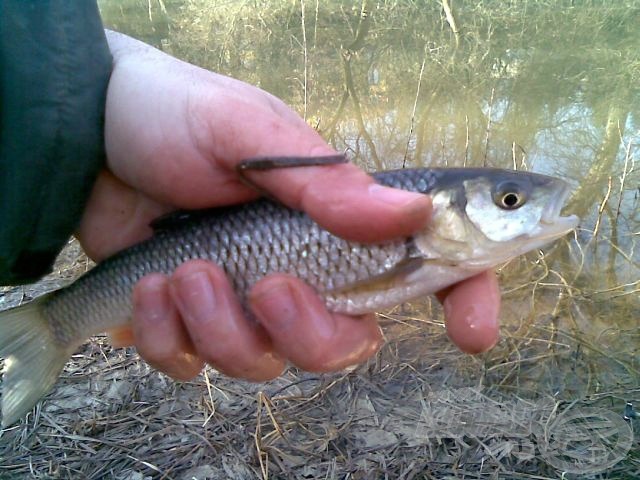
x: 54, y: 70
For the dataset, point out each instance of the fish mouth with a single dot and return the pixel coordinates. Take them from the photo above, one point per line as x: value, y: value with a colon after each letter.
x: 551, y: 222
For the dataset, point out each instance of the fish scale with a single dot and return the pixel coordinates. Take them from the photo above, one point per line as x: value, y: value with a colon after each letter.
x: 248, y: 242
x: 470, y: 231
x: 284, y: 241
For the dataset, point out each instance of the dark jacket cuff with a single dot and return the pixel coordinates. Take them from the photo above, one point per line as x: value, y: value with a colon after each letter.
x: 54, y: 70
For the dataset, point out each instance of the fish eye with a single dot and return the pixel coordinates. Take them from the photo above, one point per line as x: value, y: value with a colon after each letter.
x: 509, y: 197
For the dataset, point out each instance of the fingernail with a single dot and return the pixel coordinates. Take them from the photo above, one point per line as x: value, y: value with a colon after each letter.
x: 196, y: 297
x: 394, y: 196
x: 267, y: 367
x: 281, y: 305
x: 185, y: 367
x: 151, y: 302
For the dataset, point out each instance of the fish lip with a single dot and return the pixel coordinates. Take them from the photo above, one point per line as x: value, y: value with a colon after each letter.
x: 550, y: 219
x: 561, y: 226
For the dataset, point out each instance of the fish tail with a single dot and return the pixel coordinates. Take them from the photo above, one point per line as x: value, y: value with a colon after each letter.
x: 33, y: 358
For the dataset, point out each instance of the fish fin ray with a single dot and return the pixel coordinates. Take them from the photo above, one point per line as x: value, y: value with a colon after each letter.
x: 172, y: 220
x: 179, y: 218
x: 33, y: 358
x: 383, y: 281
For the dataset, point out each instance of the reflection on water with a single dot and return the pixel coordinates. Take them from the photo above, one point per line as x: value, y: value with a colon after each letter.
x: 546, y: 86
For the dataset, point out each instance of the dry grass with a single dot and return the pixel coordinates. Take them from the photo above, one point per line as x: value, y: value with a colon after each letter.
x: 547, y: 402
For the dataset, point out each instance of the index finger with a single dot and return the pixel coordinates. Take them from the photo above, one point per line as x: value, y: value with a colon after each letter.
x: 346, y: 201
x: 341, y: 198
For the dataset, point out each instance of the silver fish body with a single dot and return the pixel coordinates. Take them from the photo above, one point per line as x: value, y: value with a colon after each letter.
x: 481, y: 218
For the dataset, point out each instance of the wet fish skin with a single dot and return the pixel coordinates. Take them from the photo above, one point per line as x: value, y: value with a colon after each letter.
x: 258, y: 238
x: 249, y: 241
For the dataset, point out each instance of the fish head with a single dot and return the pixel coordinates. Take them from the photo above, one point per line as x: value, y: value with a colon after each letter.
x: 483, y: 217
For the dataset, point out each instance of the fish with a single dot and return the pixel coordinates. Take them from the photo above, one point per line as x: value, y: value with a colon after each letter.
x: 481, y: 218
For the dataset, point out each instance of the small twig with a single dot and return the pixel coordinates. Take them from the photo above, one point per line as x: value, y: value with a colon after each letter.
x: 415, y: 106
x: 304, y: 50
x: 209, y: 392
x: 466, y: 140
x: 623, y: 178
x: 268, y: 405
x: 488, y: 132
x: 315, y: 25
x: 601, y: 211
x: 451, y: 20
x: 257, y: 438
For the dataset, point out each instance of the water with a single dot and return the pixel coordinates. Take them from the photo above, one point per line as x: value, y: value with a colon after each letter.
x: 549, y: 86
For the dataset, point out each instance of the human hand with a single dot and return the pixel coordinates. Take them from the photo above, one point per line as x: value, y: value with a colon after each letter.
x: 174, y: 133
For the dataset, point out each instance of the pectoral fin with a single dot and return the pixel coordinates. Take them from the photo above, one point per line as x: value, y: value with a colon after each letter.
x: 409, y: 279
x: 388, y: 280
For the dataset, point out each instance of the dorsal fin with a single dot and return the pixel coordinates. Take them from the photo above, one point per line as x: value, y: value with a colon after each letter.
x: 171, y: 220
x: 182, y: 218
